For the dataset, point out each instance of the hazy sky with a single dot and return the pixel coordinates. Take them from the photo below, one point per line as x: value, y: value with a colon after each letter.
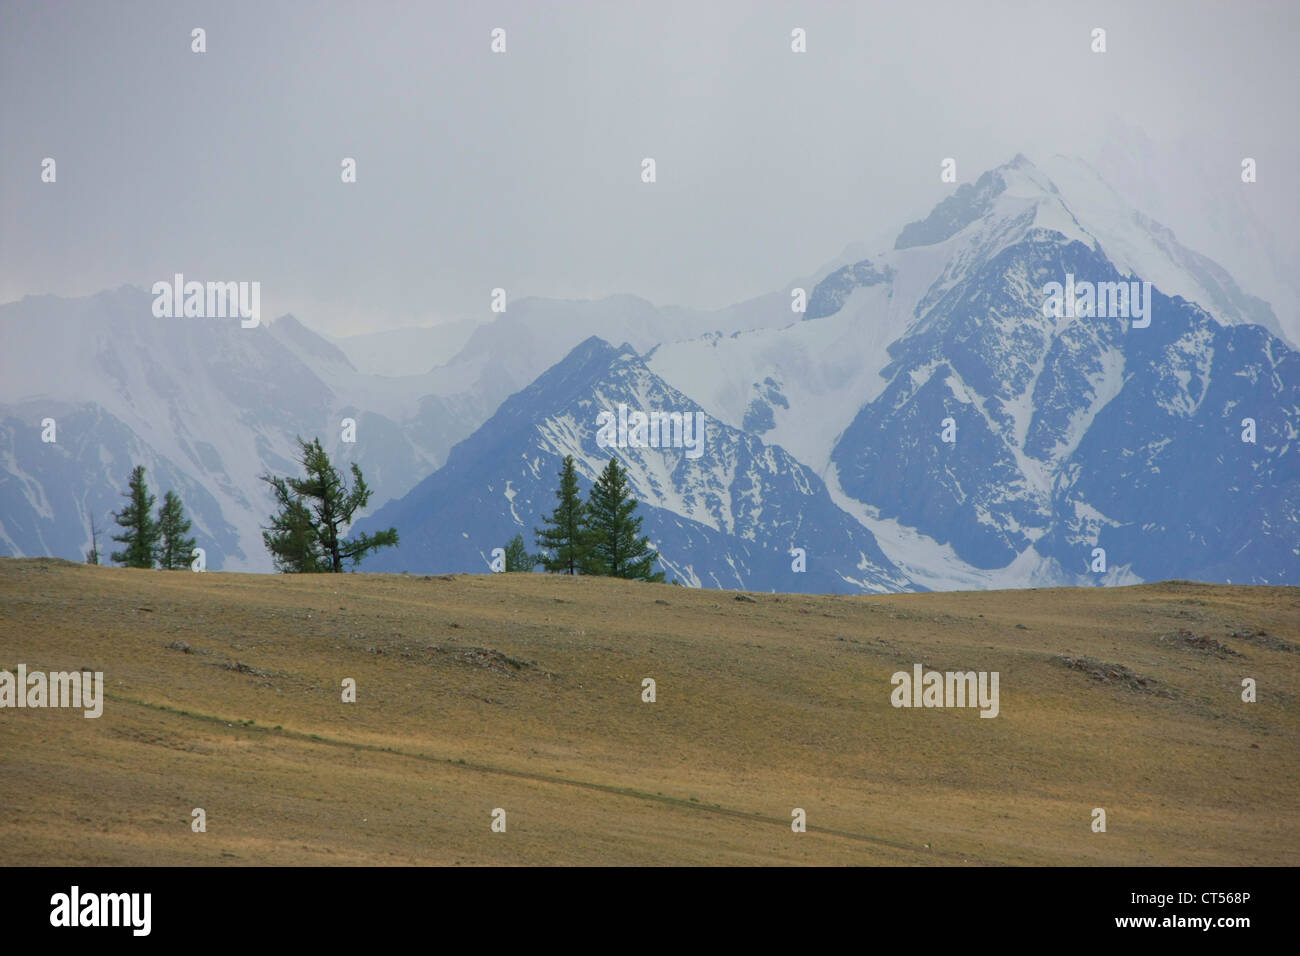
x: 522, y: 170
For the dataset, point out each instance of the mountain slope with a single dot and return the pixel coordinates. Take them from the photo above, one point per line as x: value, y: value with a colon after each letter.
x: 728, y: 518
x: 209, y: 406
x: 204, y: 404
x: 924, y: 423
x: 949, y: 324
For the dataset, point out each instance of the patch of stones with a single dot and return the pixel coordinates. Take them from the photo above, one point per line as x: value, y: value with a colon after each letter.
x: 1113, y: 674
x: 241, y: 668
x: 486, y: 658
x: 1264, y: 639
x: 492, y: 660
x: 186, y: 648
x: 1203, y: 643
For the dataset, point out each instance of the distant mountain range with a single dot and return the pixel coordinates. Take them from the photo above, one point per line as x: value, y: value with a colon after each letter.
x: 730, y: 518
x: 924, y: 423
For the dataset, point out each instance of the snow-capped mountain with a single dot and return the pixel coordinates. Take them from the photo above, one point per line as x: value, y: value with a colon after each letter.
x: 205, y: 405
x: 926, y: 422
x: 727, y: 513
x: 399, y: 352
x: 1070, y: 433
x: 1225, y: 217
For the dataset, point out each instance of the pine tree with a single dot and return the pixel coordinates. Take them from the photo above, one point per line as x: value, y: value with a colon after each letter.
x: 174, y: 549
x: 517, y: 556
x: 564, y: 541
x: 306, y: 534
x: 615, y: 545
x: 140, y: 534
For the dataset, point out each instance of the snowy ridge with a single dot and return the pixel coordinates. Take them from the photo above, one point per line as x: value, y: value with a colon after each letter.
x: 1066, y: 436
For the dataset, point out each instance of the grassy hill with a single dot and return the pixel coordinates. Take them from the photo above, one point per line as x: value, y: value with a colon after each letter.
x: 523, y: 692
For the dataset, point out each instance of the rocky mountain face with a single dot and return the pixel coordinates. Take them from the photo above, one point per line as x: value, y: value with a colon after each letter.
x: 931, y: 420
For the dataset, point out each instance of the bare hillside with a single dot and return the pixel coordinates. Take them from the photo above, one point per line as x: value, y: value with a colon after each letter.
x: 524, y: 692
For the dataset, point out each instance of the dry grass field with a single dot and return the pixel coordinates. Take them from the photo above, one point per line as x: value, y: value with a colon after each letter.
x: 523, y: 692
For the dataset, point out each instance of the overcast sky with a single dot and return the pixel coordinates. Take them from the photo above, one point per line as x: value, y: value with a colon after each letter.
x: 522, y: 170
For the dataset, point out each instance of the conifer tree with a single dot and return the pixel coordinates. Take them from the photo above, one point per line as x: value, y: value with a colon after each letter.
x: 306, y: 533
x: 174, y: 549
x: 291, y: 538
x: 615, y: 546
x: 139, y: 534
x: 563, y: 541
x: 517, y: 556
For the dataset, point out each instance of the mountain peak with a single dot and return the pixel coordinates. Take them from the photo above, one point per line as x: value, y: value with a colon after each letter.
x: 970, y: 202
x: 307, y: 344
x: 1018, y: 177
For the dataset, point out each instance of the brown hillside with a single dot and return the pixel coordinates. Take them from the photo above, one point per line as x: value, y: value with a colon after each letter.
x: 524, y: 692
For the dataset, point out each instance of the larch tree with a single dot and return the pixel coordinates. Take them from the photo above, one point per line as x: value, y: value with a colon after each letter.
x: 307, y: 532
